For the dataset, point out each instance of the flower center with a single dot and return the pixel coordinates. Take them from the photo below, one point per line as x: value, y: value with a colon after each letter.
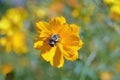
x: 53, y: 39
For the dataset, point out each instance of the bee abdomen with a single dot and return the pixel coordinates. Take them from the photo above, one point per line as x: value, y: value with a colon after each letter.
x: 54, y: 39
x: 52, y: 43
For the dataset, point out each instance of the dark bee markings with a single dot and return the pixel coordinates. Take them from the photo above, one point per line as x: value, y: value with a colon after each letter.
x: 53, y: 39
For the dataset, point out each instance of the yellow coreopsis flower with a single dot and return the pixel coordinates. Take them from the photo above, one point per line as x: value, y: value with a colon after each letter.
x: 112, y: 1
x: 15, y: 42
x: 57, y: 40
x: 106, y: 75
x: 5, y: 69
x: 12, y: 38
x: 108, y: 1
x: 115, y: 11
x: 84, y: 15
x: 7, y: 26
x: 16, y: 15
x: 114, y: 8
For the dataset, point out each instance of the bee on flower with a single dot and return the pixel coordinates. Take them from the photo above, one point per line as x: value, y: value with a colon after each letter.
x: 57, y: 40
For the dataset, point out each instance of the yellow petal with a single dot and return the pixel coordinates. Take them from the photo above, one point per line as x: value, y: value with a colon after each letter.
x: 65, y: 30
x: 58, y: 59
x: 74, y: 28
x: 42, y: 26
x: 72, y: 41
x: 45, y: 34
x: 5, y: 25
x: 71, y: 54
x: 68, y: 53
x: 48, y: 52
x: 69, y: 30
x: 56, y: 24
x: 39, y: 42
x: 115, y: 9
x: 108, y: 1
x: 6, y: 69
x: 57, y: 20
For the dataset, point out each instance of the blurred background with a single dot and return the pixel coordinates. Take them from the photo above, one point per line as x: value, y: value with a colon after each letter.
x: 99, y: 21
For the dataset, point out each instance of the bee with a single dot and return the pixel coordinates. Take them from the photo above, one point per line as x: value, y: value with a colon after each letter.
x: 53, y: 39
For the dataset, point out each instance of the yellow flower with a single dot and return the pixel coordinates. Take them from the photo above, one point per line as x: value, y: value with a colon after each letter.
x: 82, y: 12
x: 11, y: 36
x: 118, y: 67
x: 57, y: 40
x: 9, y: 24
x: 114, y: 8
x: 5, y: 69
x: 108, y: 1
x: 39, y: 12
x: 19, y: 15
x: 112, y: 1
x: 18, y: 42
x: 15, y: 42
x: 106, y: 75
x: 115, y: 12
x: 5, y: 25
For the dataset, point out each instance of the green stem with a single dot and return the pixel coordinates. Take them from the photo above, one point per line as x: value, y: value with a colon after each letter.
x: 87, y: 64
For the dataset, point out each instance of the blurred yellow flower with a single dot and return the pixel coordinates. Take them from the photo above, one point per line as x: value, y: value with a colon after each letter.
x: 112, y: 1
x: 12, y: 23
x: 75, y: 13
x: 106, y: 76
x: 115, y: 12
x: 16, y: 15
x: 82, y: 12
x: 12, y: 37
x: 118, y: 66
x: 7, y: 25
x: 16, y: 42
x: 114, y: 8
x: 40, y: 12
x: 73, y: 3
x: 108, y: 1
x: 57, y: 40
x: 5, y: 69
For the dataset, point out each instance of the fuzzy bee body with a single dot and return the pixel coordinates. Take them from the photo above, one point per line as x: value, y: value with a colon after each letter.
x: 53, y: 39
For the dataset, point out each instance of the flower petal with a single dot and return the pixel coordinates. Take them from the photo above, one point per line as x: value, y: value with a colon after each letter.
x: 45, y: 34
x: 75, y: 29
x: 68, y: 53
x: 48, y: 52
x: 58, y: 20
x: 72, y: 41
x: 71, y: 54
x: 39, y: 42
x: 56, y: 24
x: 69, y: 29
x: 58, y: 59
x: 42, y: 26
